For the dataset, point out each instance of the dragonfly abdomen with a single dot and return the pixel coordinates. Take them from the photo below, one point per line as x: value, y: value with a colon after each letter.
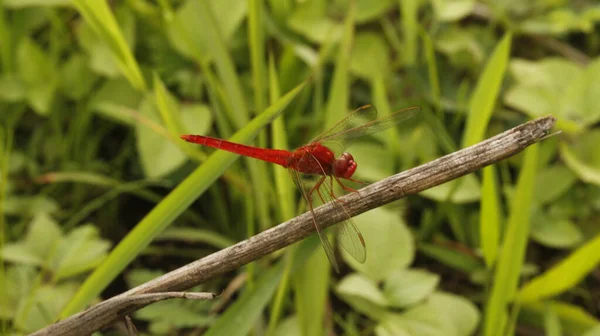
x: 277, y: 156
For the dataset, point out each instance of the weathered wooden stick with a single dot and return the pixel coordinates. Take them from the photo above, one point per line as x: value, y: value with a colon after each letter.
x: 388, y: 190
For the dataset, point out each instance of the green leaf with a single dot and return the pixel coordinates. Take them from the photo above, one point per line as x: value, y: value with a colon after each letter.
x: 404, y: 288
x: 552, y: 182
x: 574, y: 320
x: 389, y: 244
x: 582, y: 157
x: 45, y: 305
x: 35, y: 3
x: 310, y: 20
x: 452, y: 10
x: 363, y: 295
x: 43, y: 235
x: 113, y: 97
x: 467, y: 191
x: 311, y: 284
x: 80, y: 251
x: 510, y: 261
x: 244, y: 313
x: 12, y: 89
x: 409, y: 11
x: 483, y: 99
x: 564, y: 275
x: 77, y: 78
x: 555, y: 232
x: 100, y: 18
x: 158, y: 156
x: 370, y: 56
x: 489, y: 217
x: 461, y: 314
x: 38, y: 74
x: 451, y: 257
x: 170, y: 208
x: 339, y: 91
x: 185, y: 25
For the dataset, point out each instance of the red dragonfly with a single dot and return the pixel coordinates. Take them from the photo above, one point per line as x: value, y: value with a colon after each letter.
x: 323, y: 157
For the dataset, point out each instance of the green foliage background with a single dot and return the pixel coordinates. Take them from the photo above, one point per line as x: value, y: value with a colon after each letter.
x: 98, y: 194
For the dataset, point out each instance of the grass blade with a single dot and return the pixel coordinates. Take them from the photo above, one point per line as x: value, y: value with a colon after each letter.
x: 481, y: 104
x: 172, y: 206
x: 339, y: 91
x: 98, y: 15
x: 510, y: 261
x: 489, y: 217
x: 564, y: 275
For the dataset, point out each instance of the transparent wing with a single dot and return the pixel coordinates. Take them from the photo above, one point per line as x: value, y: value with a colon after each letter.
x: 348, y: 234
x: 361, y: 122
x: 305, y: 187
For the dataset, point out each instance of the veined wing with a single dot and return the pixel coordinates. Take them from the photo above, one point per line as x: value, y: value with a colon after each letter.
x: 305, y: 188
x: 348, y: 234
x: 363, y: 121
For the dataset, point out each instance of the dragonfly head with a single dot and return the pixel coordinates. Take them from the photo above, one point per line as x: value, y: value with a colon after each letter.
x: 344, y: 166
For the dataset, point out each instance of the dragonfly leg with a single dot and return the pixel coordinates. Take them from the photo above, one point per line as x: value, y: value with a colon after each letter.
x: 316, y: 187
x: 343, y: 186
x: 331, y: 191
x: 357, y: 181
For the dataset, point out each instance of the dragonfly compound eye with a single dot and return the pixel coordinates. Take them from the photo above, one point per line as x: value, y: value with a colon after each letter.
x: 345, y: 165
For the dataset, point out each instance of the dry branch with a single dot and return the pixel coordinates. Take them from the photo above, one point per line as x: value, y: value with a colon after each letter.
x: 391, y: 189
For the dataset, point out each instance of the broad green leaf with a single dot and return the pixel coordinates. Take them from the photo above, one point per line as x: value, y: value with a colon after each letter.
x: 363, y: 295
x: 370, y: 56
x: 452, y: 10
x: 170, y: 208
x: 564, y: 275
x: 12, y: 89
x: 555, y: 232
x: 425, y: 320
x: 510, y: 261
x: 45, y: 305
x: 26, y: 206
x: 310, y: 20
x: 467, y: 191
x: 77, y: 78
x: 185, y: 26
x: 552, y: 182
x: 43, y: 235
x: 489, y: 217
x: 18, y: 280
x: 461, y: 47
x: 582, y: 157
x: 483, y: 98
x: 79, y: 251
x: 389, y: 244
x: 461, y: 314
x: 113, y: 97
x: 38, y: 74
x: 392, y: 325
x: 158, y: 156
x: 405, y: 287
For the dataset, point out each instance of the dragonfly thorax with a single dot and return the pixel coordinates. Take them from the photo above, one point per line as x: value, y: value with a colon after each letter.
x: 344, y: 166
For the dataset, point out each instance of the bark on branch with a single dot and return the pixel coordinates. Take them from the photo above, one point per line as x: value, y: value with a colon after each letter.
x: 391, y: 189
